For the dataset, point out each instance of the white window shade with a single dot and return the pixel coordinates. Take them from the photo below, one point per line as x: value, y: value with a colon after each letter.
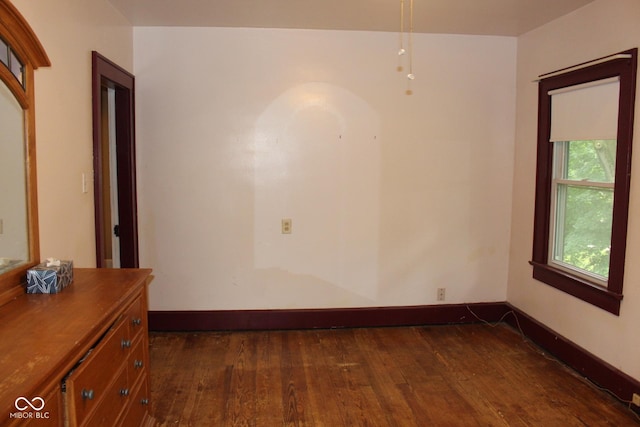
x: 585, y: 112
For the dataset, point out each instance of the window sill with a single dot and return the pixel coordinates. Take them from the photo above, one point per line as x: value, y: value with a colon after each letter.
x: 578, y: 287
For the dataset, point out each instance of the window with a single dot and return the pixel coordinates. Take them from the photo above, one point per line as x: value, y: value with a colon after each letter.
x: 585, y: 129
x: 11, y: 61
x: 581, y: 207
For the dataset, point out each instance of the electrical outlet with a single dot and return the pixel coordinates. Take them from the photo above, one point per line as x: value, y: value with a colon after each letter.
x: 441, y: 292
x: 286, y: 226
x: 636, y: 399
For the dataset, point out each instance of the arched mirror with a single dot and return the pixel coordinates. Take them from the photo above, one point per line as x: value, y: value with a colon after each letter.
x: 20, y: 54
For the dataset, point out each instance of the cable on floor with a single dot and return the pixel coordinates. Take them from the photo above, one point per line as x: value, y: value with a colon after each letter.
x: 539, y: 350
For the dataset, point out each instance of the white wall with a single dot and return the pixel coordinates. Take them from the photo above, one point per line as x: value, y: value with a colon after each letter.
x: 599, y: 29
x: 69, y: 30
x: 391, y: 195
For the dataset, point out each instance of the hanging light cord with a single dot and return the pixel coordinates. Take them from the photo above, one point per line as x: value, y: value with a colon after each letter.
x: 401, y: 51
x: 411, y: 76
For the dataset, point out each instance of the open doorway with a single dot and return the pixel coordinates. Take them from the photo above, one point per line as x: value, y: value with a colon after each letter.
x: 114, y: 165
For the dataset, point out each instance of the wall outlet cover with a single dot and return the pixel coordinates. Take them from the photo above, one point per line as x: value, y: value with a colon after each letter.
x: 286, y: 226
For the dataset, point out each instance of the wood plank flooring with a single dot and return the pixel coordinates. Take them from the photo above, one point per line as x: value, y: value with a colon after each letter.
x: 464, y: 375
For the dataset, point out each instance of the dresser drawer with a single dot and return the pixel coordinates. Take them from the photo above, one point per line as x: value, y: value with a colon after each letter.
x: 136, y: 318
x: 139, y: 404
x: 114, y: 401
x: 88, y: 384
x: 137, y: 360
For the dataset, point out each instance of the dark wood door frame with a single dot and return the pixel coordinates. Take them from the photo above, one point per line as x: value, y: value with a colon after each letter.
x: 106, y: 73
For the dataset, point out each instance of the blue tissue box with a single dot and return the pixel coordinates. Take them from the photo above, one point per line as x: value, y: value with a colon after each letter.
x: 49, y: 280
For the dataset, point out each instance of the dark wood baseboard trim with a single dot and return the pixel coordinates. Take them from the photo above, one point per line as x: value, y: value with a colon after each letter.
x: 621, y: 385
x: 324, y: 318
x: 596, y: 370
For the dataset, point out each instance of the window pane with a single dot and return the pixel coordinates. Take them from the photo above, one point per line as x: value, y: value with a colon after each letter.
x: 583, y: 228
x: 4, y: 52
x: 591, y: 160
x: 16, y: 67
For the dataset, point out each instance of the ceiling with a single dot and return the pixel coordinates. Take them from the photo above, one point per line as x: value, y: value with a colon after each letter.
x: 481, y: 17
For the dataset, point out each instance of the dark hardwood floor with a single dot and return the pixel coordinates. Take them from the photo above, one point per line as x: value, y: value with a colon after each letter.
x: 465, y: 375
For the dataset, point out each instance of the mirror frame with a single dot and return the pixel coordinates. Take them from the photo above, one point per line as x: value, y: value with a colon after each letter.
x: 17, y: 33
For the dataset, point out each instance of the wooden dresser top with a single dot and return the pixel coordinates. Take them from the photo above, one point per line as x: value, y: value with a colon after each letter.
x: 42, y: 336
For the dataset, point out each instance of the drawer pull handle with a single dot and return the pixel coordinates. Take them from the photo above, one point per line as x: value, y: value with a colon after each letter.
x: 144, y: 401
x: 87, y: 394
x: 137, y: 321
x: 124, y: 392
x: 138, y: 364
x: 125, y: 343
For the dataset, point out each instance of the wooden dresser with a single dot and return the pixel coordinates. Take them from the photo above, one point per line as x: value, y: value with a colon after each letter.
x: 82, y: 353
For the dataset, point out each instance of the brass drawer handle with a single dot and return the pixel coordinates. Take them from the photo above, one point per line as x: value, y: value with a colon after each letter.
x: 124, y: 392
x: 137, y: 321
x: 138, y: 364
x: 86, y: 394
x: 125, y: 343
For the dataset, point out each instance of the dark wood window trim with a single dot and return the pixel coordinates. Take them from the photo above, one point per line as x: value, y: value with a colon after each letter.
x: 608, y: 298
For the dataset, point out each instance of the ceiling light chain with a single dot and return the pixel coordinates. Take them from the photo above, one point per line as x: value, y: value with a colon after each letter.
x: 409, y: 50
x: 401, y: 51
x: 411, y: 76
